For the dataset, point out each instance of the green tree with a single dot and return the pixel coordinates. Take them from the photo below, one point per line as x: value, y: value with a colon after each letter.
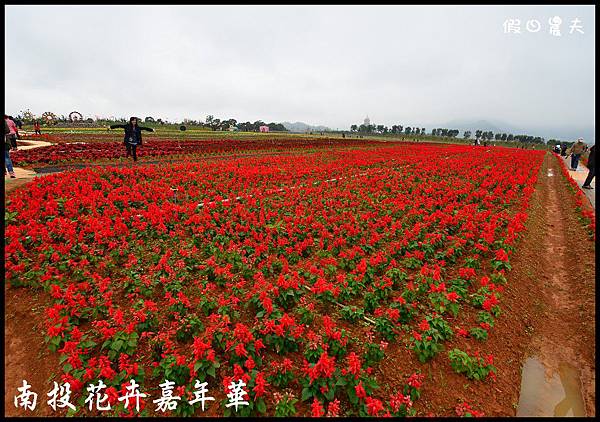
x: 257, y: 124
x: 215, y: 124
x: 277, y: 127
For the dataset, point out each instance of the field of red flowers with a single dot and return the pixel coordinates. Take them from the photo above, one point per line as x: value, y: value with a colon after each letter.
x: 68, y: 148
x: 297, y: 275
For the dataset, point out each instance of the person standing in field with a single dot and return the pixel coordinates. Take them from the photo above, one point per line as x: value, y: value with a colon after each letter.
x: 563, y: 149
x: 556, y: 148
x: 14, y: 131
x: 133, y: 136
x: 575, y: 151
x: 36, y: 128
x: 7, y: 147
x: 591, y: 166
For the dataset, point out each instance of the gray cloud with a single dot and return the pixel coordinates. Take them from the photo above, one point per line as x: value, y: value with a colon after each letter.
x: 326, y: 65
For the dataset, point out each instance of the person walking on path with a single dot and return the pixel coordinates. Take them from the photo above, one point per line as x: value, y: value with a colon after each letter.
x: 591, y: 167
x: 36, y: 128
x: 7, y: 148
x: 133, y: 136
x: 13, y: 131
x: 576, y: 150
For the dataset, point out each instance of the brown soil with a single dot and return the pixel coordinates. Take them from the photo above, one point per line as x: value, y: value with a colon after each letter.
x: 26, y: 356
x: 566, y: 331
x: 547, y: 311
x: 14, y: 184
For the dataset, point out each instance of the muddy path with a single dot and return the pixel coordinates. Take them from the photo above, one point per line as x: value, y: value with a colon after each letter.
x: 556, y: 263
x: 564, y: 332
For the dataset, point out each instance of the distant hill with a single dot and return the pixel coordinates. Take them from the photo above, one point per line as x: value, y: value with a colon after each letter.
x: 303, y: 127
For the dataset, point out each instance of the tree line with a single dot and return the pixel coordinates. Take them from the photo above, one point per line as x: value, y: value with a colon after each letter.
x: 383, y: 130
x: 227, y: 124
x: 445, y: 133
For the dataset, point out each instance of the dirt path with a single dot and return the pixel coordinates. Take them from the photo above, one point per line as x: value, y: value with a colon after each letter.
x: 564, y: 335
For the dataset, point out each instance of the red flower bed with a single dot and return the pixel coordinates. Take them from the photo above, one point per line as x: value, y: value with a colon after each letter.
x: 295, y: 275
x: 92, y: 149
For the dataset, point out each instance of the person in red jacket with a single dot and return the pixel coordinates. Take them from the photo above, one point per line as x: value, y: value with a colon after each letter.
x: 133, y: 136
x: 36, y: 128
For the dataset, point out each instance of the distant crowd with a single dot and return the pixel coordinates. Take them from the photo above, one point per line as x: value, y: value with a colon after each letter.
x: 576, y: 151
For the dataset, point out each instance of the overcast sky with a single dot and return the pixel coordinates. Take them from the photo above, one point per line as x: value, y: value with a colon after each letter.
x: 328, y: 65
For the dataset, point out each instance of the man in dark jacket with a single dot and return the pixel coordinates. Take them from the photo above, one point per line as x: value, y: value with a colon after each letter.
x: 591, y: 165
x: 133, y: 135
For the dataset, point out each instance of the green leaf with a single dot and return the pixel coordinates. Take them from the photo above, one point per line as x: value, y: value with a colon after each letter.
x: 211, y: 371
x: 341, y: 382
x: 261, y: 406
x: 352, y: 395
x: 117, y: 345
x: 87, y: 344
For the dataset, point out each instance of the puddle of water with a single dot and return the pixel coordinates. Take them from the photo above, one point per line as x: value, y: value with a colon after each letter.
x: 554, y: 394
